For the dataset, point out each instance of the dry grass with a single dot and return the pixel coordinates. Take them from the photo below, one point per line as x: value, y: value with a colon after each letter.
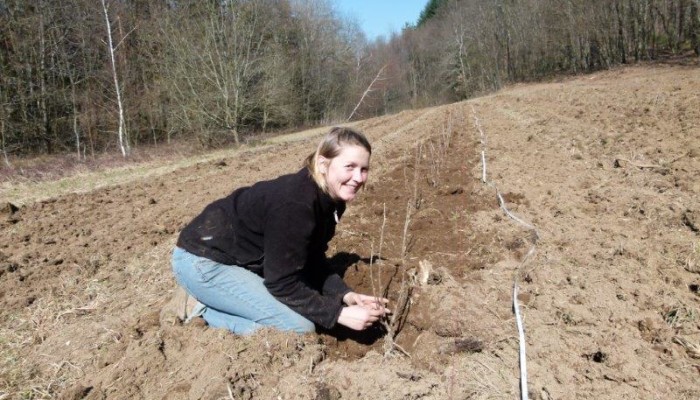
x: 692, y: 261
x: 481, y: 377
x: 81, y: 179
x: 20, y: 192
x: 692, y: 349
x: 27, y: 331
x: 30, y: 335
x: 21, y: 333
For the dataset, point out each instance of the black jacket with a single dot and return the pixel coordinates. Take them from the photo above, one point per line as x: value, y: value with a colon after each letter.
x: 280, y: 230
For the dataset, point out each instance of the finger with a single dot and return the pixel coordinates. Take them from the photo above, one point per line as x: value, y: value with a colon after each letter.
x: 379, y: 299
x: 370, y: 305
x: 375, y: 301
x: 377, y: 312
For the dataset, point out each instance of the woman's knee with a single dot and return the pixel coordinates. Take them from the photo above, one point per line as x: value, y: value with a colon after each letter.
x: 302, y: 325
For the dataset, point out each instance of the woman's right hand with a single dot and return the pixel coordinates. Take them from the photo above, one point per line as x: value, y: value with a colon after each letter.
x: 360, y: 318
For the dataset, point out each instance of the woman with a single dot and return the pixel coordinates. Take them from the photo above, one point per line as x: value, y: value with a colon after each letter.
x: 257, y: 257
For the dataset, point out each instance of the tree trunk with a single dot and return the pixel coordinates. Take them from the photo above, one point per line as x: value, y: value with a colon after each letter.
x: 76, y: 132
x: 41, y: 103
x: 234, y: 118
x: 680, y: 29
x: 621, y: 48
x: 2, y: 142
x: 123, y: 138
x: 695, y: 26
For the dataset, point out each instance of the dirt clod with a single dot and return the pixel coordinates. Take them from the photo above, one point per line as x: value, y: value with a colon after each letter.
x: 695, y: 288
x: 327, y: 392
x: 598, y: 357
x: 77, y: 392
x: 8, y: 209
x: 462, y: 345
x: 691, y: 219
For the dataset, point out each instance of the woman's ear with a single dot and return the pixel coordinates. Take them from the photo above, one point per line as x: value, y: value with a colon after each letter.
x: 322, y: 164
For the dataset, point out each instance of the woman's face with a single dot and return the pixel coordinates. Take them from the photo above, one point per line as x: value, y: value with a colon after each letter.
x: 346, y: 173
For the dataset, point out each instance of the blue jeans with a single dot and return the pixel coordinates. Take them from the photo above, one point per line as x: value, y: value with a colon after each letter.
x: 233, y: 297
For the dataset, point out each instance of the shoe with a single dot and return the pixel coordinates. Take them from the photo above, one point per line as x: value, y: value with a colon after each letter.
x: 196, y: 309
x: 181, y: 308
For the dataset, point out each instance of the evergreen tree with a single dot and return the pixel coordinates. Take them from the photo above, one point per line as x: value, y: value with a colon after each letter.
x: 429, y: 11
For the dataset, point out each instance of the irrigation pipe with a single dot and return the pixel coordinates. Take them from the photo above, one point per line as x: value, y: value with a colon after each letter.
x: 531, y: 228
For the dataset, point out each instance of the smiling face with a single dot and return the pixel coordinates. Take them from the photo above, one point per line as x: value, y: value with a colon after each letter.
x: 345, y: 173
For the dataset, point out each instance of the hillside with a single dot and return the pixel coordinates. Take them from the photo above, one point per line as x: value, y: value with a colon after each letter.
x: 605, y: 167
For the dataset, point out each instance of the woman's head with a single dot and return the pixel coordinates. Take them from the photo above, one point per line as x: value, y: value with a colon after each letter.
x: 340, y: 164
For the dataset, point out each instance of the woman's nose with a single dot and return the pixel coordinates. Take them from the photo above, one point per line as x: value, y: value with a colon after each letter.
x: 357, y: 175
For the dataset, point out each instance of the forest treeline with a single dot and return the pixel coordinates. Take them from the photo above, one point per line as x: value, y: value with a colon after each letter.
x: 75, y: 75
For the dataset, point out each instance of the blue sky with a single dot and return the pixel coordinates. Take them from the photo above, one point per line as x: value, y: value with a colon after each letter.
x: 381, y: 17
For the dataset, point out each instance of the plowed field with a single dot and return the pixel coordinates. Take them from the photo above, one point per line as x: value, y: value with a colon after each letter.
x: 603, y: 170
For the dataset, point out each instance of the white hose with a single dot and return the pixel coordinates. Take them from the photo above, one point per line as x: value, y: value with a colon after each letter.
x: 516, y: 306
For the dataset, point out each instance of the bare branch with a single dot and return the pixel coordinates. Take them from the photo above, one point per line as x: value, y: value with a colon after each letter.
x: 369, y: 89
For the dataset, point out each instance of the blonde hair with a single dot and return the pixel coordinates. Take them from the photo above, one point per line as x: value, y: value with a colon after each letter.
x: 330, y: 146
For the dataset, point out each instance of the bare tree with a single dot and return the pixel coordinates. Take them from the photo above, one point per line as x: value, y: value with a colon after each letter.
x: 695, y: 26
x: 326, y: 57
x: 3, y: 119
x: 367, y: 91
x: 217, y: 69
x: 276, y: 98
x: 122, y: 133
x: 215, y: 62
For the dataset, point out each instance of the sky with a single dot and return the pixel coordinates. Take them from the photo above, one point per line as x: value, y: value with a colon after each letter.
x: 381, y: 17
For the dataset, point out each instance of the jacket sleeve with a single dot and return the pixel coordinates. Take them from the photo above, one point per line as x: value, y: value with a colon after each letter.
x: 324, y: 277
x: 321, y: 274
x: 335, y: 286
x: 288, y: 231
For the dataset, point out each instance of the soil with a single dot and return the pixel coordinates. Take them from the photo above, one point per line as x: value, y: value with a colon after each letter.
x: 602, y: 169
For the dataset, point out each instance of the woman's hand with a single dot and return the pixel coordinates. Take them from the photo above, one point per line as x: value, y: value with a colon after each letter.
x: 359, y: 318
x: 352, y: 299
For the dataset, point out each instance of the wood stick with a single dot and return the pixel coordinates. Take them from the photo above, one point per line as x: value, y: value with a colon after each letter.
x: 369, y: 89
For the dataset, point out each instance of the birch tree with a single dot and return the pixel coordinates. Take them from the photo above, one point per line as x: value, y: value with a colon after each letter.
x: 3, y: 120
x: 111, y: 48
